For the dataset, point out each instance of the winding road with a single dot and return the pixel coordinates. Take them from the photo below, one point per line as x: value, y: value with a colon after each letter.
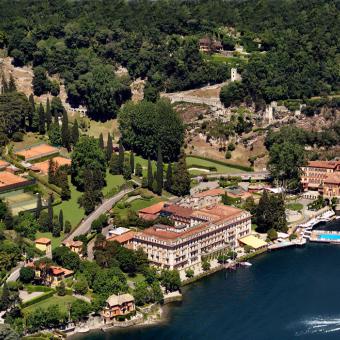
x: 107, y: 204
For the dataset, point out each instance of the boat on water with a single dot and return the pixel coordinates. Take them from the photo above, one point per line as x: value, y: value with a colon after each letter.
x: 245, y: 264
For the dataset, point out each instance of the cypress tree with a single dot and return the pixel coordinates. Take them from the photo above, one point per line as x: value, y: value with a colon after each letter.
x: 11, y: 84
x: 101, y: 141
x: 114, y: 165
x: 51, y: 172
x: 65, y: 132
x: 61, y: 219
x: 121, y: 157
x: 48, y: 114
x: 31, y: 110
x: 139, y: 170
x: 50, y: 214
x: 4, y: 84
x: 39, y: 206
x: 132, y: 162
x: 42, y: 119
x: 159, y: 172
x: 109, y: 147
x: 150, y: 176
x: 181, y: 178
x: 168, y: 178
x: 75, y: 133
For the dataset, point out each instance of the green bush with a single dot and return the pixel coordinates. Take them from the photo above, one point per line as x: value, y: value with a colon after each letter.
x: 228, y: 155
x: 18, y: 136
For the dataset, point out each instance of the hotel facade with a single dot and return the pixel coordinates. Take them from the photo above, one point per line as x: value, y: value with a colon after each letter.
x: 195, y: 234
x: 322, y: 176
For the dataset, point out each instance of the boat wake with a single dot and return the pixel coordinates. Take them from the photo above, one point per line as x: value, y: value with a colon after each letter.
x: 319, y: 325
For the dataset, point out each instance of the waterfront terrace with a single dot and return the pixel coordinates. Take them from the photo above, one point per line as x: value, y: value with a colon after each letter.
x: 204, y: 232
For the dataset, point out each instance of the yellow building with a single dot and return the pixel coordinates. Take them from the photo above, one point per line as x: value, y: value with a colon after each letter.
x: 44, y: 244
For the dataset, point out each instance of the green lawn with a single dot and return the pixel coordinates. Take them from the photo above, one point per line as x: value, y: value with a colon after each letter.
x: 55, y: 241
x: 138, y: 278
x: 112, y: 182
x: 61, y: 301
x: 136, y: 205
x: 71, y: 209
x: 192, y: 160
x: 294, y: 206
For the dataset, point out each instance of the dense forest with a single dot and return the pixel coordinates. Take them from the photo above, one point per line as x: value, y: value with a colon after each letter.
x: 82, y: 41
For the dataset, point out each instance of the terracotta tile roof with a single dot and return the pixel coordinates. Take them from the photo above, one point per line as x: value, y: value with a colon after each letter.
x: 37, y: 151
x: 43, y: 166
x: 3, y: 164
x: 123, y: 238
x: 43, y: 240
x: 178, y: 210
x: 211, y: 192
x: 7, y: 178
x: 60, y: 270
x: 324, y: 164
x: 217, y: 213
x: 69, y: 243
x: 333, y: 178
x: 153, y: 209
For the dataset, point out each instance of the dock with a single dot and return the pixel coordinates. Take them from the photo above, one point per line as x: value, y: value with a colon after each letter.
x: 286, y: 244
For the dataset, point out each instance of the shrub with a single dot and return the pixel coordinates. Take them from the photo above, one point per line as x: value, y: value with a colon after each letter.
x: 18, y: 136
x: 272, y: 234
x: 228, y: 155
x: 189, y: 273
x: 231, y: 147
x: 26, y: 274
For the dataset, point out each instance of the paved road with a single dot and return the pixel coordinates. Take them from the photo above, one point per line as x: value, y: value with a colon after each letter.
x: 257, y: 175
x: 15, y: 273
x: 107, y: 204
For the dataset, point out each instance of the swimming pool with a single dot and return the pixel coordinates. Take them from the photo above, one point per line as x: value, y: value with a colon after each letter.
x: 331, y: 237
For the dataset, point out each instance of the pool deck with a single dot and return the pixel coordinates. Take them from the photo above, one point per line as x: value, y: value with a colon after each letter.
x: 315, y: 236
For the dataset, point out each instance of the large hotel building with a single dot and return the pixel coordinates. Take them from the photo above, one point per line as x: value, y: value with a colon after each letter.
x: 195, y: 234
x: 323, y: 177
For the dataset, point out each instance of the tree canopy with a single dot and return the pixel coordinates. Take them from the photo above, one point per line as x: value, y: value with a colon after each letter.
x: 146, y: 126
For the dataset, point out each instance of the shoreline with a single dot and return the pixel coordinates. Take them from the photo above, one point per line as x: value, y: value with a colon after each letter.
x: 162, y: 310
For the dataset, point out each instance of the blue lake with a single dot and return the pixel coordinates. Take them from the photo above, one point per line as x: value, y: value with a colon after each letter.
x: 287, y: 294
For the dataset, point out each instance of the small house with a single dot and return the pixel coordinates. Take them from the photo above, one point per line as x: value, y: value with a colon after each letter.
x: 117, y: 305
x: 44, y: 244
x: 74, y: 246
x: 152, y: 212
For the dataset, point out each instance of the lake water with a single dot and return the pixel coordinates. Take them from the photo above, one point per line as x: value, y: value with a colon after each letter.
x: 287, y: 294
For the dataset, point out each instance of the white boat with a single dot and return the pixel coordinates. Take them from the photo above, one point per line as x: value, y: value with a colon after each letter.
x: 245, y: 264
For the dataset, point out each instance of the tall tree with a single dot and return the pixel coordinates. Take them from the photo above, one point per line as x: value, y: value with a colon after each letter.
x: 75, y: 132
x: 48, y: 114
x: 5, y: 300
x: 121, y: 157
x: 4, y: 85
x: 65, y: 132
x: 11, y: 84
x: 39, y: 207
x: 109, y: 147
x: 168, y: 178
x: 42, y: 119
x: 61, y: 219
x: 132, y: 162
x: 50, y: 213
x: 87, y: 154
x: 150, y: 176
x: 31, y: 111
x: 51, y: 174
x: 181, y: 178
x: 114, y: 165
x: 101, y: 141
x: 159, y: 172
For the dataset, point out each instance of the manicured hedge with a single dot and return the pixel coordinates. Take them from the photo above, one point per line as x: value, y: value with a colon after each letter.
x: 45, y: 182
x: 38, y: 299
x: 210, y: 168
x: 38, y: 288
